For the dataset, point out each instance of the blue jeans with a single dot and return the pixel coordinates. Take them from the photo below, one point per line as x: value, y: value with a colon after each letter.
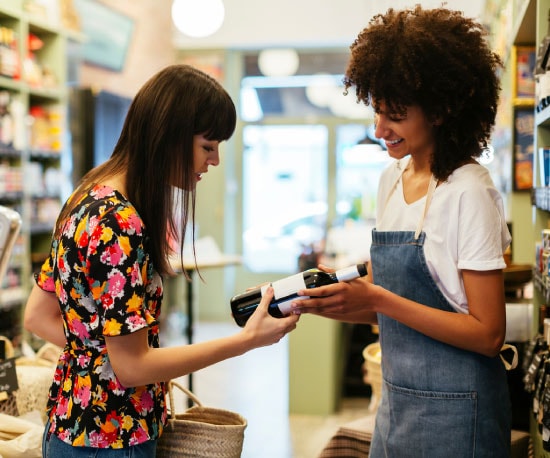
x: 53, y: 447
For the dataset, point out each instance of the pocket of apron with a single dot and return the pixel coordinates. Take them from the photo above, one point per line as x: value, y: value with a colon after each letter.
x: 419, y: 423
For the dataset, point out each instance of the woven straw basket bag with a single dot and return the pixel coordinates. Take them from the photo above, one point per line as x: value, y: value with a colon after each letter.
x: 8, y: 401
x: 200, y: 432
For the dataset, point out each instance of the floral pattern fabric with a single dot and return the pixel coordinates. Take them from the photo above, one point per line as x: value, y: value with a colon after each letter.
x: 106, y: 285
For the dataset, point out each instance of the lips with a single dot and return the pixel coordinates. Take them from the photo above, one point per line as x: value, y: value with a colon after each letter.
x: 391, y: 143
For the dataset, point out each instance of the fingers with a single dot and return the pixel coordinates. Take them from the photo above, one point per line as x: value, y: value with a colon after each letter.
x: 321, y: 291
x: 325, y: 268
x: 266, y: 299
x: 257, y: 286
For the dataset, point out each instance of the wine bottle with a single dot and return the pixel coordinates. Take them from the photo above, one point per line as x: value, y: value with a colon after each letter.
x: 285, y: 291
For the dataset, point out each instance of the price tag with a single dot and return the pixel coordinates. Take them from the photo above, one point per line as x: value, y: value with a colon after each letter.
x: 8, y: 376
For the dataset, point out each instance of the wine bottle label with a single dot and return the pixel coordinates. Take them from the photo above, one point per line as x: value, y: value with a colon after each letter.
x: 347, y: 274
x: 286, y: 288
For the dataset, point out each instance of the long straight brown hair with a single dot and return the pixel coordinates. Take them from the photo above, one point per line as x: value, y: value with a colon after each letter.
x: 155, y: 149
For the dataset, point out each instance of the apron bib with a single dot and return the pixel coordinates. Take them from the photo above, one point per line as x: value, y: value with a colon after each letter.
x: 437, y: 400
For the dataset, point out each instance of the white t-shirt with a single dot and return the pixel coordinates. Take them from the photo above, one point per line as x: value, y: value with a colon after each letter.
x: 465, y: 225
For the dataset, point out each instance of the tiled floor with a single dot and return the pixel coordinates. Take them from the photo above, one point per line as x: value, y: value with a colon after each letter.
x: 256, y: 386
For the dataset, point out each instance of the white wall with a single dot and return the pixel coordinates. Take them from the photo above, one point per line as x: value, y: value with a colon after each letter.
x: 302, y: 23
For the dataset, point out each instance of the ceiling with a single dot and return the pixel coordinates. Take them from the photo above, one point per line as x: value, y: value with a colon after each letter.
x: 472, y: 8
x: 253, y: 24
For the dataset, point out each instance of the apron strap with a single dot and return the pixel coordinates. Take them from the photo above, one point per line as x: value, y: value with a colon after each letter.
x: 429, y: 195
x: 509, y: 365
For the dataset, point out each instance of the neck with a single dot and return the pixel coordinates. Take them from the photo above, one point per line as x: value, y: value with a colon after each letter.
x: 419, y: 167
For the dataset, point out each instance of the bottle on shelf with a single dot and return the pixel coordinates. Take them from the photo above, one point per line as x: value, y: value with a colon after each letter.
x: 286, y: 289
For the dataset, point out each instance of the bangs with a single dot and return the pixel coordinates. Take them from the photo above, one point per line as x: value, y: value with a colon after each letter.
x: 217, y: 120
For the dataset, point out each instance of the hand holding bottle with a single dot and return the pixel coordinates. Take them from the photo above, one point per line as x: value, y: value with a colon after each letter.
x: 285, y: 291
x: 344, y: 301
x: 263, y: 329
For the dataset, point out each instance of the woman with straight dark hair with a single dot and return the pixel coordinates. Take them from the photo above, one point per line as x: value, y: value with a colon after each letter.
x: 99, y: 293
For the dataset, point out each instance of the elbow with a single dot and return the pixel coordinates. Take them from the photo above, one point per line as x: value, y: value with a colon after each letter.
x: 126, y: 374
x: 493, y: 346
x: 125, y: 377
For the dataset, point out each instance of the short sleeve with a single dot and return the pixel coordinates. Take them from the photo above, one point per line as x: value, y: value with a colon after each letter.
x: 483, y: 235
x: 44, y: 279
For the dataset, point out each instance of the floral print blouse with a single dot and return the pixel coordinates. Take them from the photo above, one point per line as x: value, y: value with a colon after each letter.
x: 106, y: 285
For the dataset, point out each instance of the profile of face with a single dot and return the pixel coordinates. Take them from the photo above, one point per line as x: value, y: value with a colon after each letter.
x: 410, y: 133
x: 205, y: 153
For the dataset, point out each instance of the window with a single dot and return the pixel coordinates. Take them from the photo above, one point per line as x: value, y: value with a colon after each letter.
x: 285, y: 194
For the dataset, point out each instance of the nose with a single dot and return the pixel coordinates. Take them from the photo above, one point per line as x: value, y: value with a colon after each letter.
x: 214, y: 158
x: 379, y: 127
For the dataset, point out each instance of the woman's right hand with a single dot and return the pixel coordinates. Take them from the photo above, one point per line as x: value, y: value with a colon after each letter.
x: 263, y: 329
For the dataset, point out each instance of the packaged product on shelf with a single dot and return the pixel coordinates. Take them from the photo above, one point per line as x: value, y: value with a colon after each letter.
x: 6, y: 120
x: 545, y: 415
x: 543, y: 373
x: 32, y: 69
x: 55, y: 121
x: 9, y: 57
x: 40, y: 129
x: 534, y: 358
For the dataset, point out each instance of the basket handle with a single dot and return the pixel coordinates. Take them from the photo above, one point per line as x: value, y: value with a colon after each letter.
x: 188, y: 393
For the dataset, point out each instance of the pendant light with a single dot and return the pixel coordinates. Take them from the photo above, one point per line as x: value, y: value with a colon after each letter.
x: 198, y: 19
x: 278, y: 62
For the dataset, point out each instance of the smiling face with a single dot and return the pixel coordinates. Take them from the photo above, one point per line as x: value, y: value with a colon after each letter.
x: 411, y: 133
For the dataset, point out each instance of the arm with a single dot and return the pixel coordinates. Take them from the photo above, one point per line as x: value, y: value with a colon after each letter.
x: 482, y: 330
x: 132, y: 351
x: 42, y: 316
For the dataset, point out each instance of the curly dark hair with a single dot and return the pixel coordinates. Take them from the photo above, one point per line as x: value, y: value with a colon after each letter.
x: 436, y: 59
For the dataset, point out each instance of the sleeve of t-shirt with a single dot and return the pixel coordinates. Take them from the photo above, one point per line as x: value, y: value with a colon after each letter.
x: 44, y: 278
x: 482, y: 232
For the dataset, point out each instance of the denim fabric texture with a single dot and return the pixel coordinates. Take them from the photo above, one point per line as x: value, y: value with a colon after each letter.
x: 437, y: 400
x: 53, y: 447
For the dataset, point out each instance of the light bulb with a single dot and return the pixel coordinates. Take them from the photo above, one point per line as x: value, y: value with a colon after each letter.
x: 278, y: 62
x: 198, y: 19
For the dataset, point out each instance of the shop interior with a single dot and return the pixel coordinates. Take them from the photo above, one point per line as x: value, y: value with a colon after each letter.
x: 296, y: 185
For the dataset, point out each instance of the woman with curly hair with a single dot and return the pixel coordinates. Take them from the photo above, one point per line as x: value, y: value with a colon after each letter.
x: 435, y: 284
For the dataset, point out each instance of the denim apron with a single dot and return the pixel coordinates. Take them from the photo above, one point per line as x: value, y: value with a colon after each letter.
x: 437, y: 400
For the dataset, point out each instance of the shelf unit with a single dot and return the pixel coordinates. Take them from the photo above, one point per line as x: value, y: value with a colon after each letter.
x: 33, y: 72
x: 540, y: 195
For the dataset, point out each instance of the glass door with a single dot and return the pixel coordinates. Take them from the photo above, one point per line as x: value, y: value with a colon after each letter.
x: 284, y: 194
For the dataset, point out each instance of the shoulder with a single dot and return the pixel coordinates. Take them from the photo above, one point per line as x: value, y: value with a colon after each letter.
x: 472, y: 181
x: 471, y: 174
x: 103, y: 206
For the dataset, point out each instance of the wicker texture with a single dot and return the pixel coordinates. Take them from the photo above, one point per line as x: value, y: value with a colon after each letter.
x: 8, y: 404
x: 34, y: 377
x: 8, y: 401
x: 34, y: 387
x: 201, y: 432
